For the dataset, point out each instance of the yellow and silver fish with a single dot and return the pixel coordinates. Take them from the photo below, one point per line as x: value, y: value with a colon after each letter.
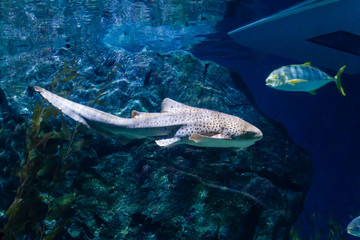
x: 354, y: 227
x: 302, y: 78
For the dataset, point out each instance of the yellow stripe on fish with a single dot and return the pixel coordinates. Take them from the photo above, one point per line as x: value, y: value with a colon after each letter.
x: 302, y: 78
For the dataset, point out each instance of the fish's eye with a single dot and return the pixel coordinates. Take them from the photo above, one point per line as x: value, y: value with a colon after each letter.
x: 275, y: 76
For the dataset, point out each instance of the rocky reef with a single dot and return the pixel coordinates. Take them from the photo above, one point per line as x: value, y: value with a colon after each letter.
x: 12, y: 144
x: 143, y: 191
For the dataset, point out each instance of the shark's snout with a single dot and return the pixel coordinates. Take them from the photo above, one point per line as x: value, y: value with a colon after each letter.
x: 253, y: 132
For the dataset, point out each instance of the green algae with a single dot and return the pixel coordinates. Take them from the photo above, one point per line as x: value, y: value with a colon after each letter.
x: 50, y: 149
x: 322, y: 226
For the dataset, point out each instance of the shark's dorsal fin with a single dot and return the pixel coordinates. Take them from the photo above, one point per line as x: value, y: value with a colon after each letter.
x: 171, y: 106
x: 199, y: 138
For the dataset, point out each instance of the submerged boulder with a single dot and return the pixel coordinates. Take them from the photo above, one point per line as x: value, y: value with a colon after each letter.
x: 12, y: 131
x: 143, y: 191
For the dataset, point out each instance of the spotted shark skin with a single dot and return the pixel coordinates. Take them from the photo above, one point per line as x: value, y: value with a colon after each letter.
x: 176, y: 124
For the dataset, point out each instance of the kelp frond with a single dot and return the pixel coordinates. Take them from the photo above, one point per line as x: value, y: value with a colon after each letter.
x: 48, y: 156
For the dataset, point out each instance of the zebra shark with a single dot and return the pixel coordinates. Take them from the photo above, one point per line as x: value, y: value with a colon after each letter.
x: 176, y: 124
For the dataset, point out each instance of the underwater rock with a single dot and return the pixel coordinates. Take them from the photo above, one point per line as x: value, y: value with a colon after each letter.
x: 12, y: 132
x: 143, y: 191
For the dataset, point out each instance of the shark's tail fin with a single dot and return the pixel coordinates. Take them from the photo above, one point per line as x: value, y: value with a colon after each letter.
x: 62, y: 104
x: 338, y: 80
x: 104, y: 123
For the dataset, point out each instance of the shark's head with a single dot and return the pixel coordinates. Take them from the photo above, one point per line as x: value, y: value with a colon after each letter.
x: 252, y: 132
x: 232, y: 132
x: 207, y: 128
x: 243, y: 134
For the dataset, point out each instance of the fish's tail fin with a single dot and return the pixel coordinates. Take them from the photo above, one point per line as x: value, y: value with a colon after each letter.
x: 338, y: 80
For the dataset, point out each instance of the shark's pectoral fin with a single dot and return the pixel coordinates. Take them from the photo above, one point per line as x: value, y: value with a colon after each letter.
x: 199, y: 138
x: 195, y: 137
x: 167, y: 141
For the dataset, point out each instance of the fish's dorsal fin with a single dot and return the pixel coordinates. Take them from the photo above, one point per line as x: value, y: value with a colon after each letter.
x: 199, y: 138
x: 307, y: 64
x: 171, y: 106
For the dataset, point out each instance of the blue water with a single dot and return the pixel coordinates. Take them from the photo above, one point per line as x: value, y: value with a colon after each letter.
x: 325, y: 125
